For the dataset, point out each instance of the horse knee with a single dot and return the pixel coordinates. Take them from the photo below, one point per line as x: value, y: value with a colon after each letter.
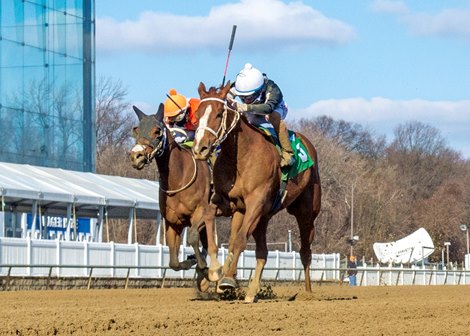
x: 193, y: 236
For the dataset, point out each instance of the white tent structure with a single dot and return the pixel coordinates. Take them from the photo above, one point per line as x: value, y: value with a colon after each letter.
x: 410, y: 249
x: 71, y: 194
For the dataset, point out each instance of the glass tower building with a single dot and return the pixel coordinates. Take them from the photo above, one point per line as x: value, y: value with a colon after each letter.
x: 47, y: 78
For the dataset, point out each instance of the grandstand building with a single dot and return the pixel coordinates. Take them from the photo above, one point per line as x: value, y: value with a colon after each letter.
x: 47, y: 77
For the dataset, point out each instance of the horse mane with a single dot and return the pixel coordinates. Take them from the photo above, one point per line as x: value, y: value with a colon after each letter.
x: 213, y: 90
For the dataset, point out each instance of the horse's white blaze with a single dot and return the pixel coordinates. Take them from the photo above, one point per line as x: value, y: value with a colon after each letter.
x: 203, y: 122
x: 137, y: 148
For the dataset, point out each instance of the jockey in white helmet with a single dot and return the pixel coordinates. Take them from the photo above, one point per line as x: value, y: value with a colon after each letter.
x: 262, y: 99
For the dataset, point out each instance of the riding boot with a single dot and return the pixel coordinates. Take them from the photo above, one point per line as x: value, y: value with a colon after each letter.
x: 287, y: 153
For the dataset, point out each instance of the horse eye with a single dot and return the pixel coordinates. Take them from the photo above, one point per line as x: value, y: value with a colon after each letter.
x: 158, y: 133
x: 135, y: 132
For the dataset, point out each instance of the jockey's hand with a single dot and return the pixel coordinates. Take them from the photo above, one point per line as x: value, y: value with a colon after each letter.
x: 232, y: 103
x: 242, y: 107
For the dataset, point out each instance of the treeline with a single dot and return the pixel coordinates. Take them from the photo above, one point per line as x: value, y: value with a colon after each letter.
x: 384, y: 190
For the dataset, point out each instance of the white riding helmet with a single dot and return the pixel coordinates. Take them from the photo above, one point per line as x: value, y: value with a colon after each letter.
x: 249, y: 80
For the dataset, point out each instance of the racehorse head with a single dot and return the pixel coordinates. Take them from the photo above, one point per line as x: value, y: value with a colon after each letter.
x: 212, y: 115
x: 150, y: 138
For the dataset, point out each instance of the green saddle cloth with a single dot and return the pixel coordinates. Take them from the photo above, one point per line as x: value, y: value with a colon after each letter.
x: 303, y: 160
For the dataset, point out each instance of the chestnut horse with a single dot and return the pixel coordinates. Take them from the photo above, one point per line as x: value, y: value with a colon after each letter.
x: 184, y: 189
x: 247, y: 179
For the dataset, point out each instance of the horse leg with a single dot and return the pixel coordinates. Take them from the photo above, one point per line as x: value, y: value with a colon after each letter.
x: 173, y: 239
x: 306, y: 238
x: 305, y: 216
x: 193, y: 241
x: 261, y: 255
x: 238, y: 241
x: 228, y: 280
x: 215, y: 269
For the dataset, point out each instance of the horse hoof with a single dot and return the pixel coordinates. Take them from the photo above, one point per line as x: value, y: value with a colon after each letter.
x: 219, y: 290
x: 215, y: 275
x: 227, y: 283
x: 203, y: 285
x: 251, y: 299
x: 187, y: 264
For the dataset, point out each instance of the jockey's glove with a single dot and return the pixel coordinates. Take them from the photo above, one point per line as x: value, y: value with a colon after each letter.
x: 242, y: 107
x: 231, y: 102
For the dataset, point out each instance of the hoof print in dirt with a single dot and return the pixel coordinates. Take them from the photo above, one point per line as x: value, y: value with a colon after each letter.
x: 266, y: 294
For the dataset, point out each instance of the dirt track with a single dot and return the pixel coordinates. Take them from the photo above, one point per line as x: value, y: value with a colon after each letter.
x: 331, y: 310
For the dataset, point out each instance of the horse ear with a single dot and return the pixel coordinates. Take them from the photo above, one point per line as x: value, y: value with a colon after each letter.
x: 225, y: 89
x: 159, y: 115
x: 201, y: 89
x: 139, y: 113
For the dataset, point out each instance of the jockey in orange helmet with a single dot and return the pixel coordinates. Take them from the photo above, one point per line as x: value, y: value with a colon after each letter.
x: 180, y: 114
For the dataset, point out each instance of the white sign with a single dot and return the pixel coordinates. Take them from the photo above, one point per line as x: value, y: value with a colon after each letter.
x: 412, y: 248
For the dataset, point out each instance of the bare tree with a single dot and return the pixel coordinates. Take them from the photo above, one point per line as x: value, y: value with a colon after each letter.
x: 442, y: 214
x: 114, y: 124
x: 353, y: 137
x: 114, y: 120
x: 422, y: 158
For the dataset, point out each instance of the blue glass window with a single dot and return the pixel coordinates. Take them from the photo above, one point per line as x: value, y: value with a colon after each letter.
x: 46, y: 87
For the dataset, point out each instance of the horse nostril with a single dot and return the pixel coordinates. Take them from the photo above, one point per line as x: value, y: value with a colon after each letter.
x: 201, y: 152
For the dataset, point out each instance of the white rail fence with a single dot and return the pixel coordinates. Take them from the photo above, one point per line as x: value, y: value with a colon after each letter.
x: 57, y: 258
x: 34, y: 257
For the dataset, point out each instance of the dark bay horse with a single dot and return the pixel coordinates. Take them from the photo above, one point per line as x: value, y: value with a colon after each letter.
x: 184, y: 189
x: 247, y: 178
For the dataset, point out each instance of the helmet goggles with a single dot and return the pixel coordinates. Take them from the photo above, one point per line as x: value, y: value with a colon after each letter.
x: 249, y: 99
x: 178, y: 117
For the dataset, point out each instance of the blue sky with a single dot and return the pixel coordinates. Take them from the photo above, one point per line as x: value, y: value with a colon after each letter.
x: 378, y: 63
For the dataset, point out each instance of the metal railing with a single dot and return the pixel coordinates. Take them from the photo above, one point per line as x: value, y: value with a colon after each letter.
x: 367, y: 276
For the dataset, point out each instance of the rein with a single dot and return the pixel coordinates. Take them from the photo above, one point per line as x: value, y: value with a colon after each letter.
x: 175, y: 191
x: 158, y: 152
x: 222, y: 132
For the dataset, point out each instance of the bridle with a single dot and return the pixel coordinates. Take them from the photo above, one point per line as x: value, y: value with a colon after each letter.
x: 159, y: 145
x: 223, y: 131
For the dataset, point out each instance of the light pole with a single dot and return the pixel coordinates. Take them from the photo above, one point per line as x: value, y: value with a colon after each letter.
x: 442, y: 258
x: 464, y: 228
x: 351, y: 237
x: 447, y: 244
x: 351, y: 242
x: 289, y: 240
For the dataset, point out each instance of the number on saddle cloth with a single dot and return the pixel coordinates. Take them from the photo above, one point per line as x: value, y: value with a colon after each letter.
x: 303, y: 160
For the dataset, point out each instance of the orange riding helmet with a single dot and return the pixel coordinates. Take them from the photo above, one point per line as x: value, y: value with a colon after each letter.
x: 176, y: 104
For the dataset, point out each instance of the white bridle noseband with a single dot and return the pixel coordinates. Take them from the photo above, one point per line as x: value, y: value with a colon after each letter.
x: 223, y: 130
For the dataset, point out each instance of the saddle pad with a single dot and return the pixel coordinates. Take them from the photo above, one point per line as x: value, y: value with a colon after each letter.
x: 188, y: 144
x: 303, y: 160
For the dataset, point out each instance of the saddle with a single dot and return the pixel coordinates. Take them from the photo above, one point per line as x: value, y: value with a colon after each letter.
x: 303, y: 160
